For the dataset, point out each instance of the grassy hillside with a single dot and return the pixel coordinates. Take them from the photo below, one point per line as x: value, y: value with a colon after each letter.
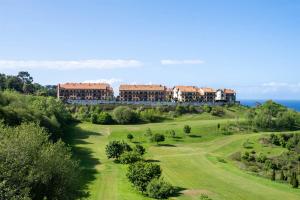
x: 198, y: 164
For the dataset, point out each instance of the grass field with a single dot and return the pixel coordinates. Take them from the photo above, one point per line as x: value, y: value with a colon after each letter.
x: 191, y: 163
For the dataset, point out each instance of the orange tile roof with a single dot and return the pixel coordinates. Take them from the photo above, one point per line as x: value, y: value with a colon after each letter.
x: 229, y: 91
x: 207, y: 89
x: 187, y: 88
x: 86, y: 86
x: 142, y: 87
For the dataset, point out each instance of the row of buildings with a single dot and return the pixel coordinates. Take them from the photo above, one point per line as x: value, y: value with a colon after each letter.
x: 144, y: 93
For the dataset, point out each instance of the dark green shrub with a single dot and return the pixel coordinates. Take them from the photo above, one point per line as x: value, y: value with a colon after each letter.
x: 159, y: 189
x: 129, y: 136
x: 114, y: 149
x: 158, y: 138
x: 141, y: 173
x: 125, y: 115
x: 129, y: 157
x: 140, y: 149
x: 187, y: 129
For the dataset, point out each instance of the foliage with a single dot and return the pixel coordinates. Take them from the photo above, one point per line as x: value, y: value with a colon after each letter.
x: 23, y: 83
x: 171, y: 133
x: 159, y: 189
x: 125, y: 115
x: 187, y: 129
x: 217, y: 111
x: 46, y: 111
x: 271, y: 115
x: 150, y: 115
x: 204, y: 197
x: 129, y: 157
x: 141, y: 173
x: 129, y: 136
x: 140, y: 149
x: 104, y: 118
x: 114, y: 149
x: 158, y: 138
x: 294, y: 181
x: 32, y: 167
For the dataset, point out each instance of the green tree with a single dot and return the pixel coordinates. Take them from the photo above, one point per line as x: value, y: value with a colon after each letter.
x: 114, y: 149
x: 140, y: 149
x: 294, y: 181
x: 129, y: 136
x: 32, y: 167
x: 105, y: 118
x: 159, y: 189
x: 187, y: 129
x: 158, y: 138
x: 125, y: 115
x: 141, y: 173
x: 129, y: 157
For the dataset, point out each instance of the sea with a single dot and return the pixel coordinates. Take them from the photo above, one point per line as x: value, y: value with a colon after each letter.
x: 293, y: 104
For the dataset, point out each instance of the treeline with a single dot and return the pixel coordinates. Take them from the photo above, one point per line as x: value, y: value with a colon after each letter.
x: 48, y: 112
x: 273, y: 116
x: 111, y: 114
x: 23, y: 83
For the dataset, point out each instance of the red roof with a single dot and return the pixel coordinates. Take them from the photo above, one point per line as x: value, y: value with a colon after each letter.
x: 142, y: 87
x: 85, y: 86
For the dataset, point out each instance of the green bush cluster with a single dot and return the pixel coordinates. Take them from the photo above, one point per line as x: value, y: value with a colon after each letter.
x: 49, y: 112
x: 32, y: 167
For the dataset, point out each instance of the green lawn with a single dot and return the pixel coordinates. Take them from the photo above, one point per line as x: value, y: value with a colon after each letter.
x: 189, y: 162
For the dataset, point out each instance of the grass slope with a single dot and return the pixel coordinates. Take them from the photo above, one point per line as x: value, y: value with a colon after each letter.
x: 188, y: 162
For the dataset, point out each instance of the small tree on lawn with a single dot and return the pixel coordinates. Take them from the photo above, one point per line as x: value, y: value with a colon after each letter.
x: 129, y: 136
x: 158, y: 138
x: 148, y: 132
x: 187, y: 129
x: 115, y: 148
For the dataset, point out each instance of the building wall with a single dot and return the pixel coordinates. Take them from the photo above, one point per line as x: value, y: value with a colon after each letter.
x: 85, y: 94
x: 133, y: 95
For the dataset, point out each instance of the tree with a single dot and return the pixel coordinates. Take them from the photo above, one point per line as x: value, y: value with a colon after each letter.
x: 148, y: 132
x: 125, y: 115
x: 114, y: 149
x: 141, y: 173
x: 171, y: 133
x: 294, y: 181
x: 129, y: 157
x: 129, y: 136
x: 32, y: 167
x: 140, y: 149
x: 25, y: 77
x: 105, y: 118
x: 282, y: 177
x: 159, y: 189
x: 187, y: 129
x: 158, y: 138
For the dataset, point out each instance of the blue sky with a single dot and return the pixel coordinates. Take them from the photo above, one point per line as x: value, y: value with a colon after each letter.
x: 251, y: 46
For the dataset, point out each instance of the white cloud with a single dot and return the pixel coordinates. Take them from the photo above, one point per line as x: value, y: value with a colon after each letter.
x: 69, y: 64
x: 181, y: 62
x: 109, y: 81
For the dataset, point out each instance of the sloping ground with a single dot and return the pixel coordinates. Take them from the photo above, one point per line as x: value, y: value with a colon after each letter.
x: 190, y: 166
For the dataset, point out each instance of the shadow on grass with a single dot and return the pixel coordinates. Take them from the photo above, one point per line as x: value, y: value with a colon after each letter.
x: 75, y: 136
x: 195, y: 136
x: 152, y: 161
x: 166, y: 145
x: 178, y: 191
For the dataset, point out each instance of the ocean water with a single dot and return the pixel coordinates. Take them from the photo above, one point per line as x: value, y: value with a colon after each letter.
x: 293, y: 104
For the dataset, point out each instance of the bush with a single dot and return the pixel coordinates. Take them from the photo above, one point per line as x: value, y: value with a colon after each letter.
x: 187, y: 129
x: 32, y: 167
x: 140, y: 149
x: 171, y: 133
x: 158, y: 138
x: 217, y: 111
x: 141, y: 173
x: 129, y: 136
x: 125, y: 115
x: 129, y: 157
x: 159, y: 189
x: 105, y: 118
x: 115, y: 148
x: 150, y: 115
